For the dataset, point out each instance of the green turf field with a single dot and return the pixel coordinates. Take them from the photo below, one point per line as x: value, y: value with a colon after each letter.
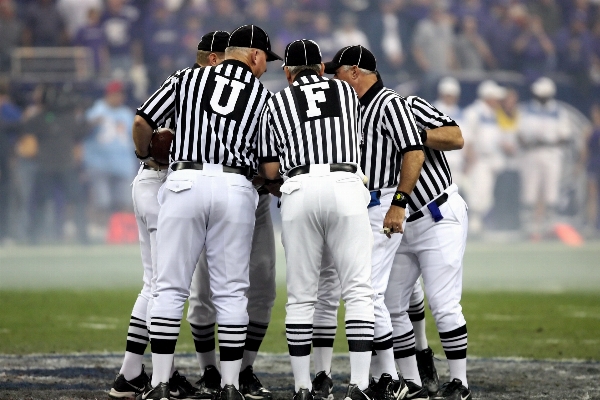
x: 506, y: 324
x: 520, y: 300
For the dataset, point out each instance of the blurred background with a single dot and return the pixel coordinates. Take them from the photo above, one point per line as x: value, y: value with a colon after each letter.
x: 72, y: 73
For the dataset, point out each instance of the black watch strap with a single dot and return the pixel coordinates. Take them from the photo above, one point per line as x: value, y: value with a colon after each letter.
x: 400, y: 199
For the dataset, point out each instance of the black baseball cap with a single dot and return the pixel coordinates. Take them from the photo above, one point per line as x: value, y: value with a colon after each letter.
x: 254, y: 37
x: 214, y: 41
x: 352, y: 55
x: 302, y: 52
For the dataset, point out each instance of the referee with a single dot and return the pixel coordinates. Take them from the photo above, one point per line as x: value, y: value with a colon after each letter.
x: 310, y: 134
x: 208, y: 199
x: 392, y: 157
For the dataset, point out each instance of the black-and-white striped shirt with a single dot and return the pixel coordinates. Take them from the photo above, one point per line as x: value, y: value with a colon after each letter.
x: 216, y: 112
x: 389, y: 130
x: 314, y: 121
x: 435, y: 174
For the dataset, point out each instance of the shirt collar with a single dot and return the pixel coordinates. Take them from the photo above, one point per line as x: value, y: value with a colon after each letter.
x: 238, y: 63
x: 371, y: 93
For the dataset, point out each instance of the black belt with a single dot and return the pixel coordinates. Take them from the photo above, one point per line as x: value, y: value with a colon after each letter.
x: 305, y: 169
x: 262, y: 190
x: 419, y: 214
x: 178, y: 166
x: 160, y: 168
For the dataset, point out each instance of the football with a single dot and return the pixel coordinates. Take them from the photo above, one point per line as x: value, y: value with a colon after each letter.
x: 160, y: 145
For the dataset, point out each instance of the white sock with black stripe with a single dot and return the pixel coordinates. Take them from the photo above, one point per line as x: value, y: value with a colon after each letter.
x: 360, y: 344
x: 455, y: 347
x: 231, y: 349
x: 382, y: 360
x: 416, y: 313
x: 404, y: 353
x: 299, y: 338
x: 137, y: 341
x: 204, y: 342
x: 163, y: 339
x: 256, y: 334
x: 322, y: 341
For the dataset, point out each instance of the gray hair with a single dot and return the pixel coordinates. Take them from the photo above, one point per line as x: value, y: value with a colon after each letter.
x: 237, y: 51
x: 364, y: 71
x: 296, y: 69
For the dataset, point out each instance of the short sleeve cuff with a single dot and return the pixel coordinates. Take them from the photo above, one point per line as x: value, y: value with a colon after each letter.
x: 149, y: 120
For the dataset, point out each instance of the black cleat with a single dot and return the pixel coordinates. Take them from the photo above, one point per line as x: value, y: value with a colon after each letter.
x: 251, y: 387
x: 354, y: 393
x: 124, y: 389
x: 229, y: 392
x: 453, y: 391
x: 209, y: 385
x: 160, y: 392
x: 416, y: 392
x: 304, y: 394
x: 181, y: 388
x: 322, y: 386
x: 427, y: 371
x: 386, y: 388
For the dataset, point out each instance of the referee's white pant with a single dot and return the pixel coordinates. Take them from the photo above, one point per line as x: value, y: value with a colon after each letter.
x: 261, y: 293
x: 145, y: 206
x: 322, y: 209
x: 434, y: 250
x: 203, y: 208
x: 384, y: 250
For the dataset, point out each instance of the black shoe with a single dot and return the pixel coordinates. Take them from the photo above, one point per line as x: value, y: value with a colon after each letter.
x: 453, y: 391
x: 209, y: 386
x: 124, y: 389
x: 304, y: 394
x: 427, y: 371
x: 416, y: 392
x: 386, y: 388
x: 229, y: 392
x: 354, y: 393
x: 160, y: 392
x: 181, y: 388
x: 322, y: 386
x: 251, y: 387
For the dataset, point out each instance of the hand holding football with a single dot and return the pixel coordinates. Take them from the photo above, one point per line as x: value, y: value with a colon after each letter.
x: 160, y: 145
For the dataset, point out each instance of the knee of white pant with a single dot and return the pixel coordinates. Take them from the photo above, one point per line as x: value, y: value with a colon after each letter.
x: 231, y: 310
x: 417, y: 295
x: 448, y: 320
x: 260, y: 311
x: 326, y: 313
x: 401, y: 324
x: 299, y: 313
x: 201, y: 313
x: 140, y: 308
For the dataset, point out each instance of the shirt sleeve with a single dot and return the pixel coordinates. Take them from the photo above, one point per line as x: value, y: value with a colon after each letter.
x: 267, y: 148
x: 161, y: 105
x: 427, y: 116
x: 401, y: 125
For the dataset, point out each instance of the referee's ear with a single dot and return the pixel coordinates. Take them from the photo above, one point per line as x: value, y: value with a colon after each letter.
x: 288, y: 76
x: 322, y: 70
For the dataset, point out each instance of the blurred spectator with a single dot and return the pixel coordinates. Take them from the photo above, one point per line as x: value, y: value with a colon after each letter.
x: 11, y: 31
x: 595, y: 68
x: 471, y: 8
x: 383, y: 30
x: 535, y: 50
x: 119, y: 22
x: 10, y: 116
x: 25, y: 167
x: 348, y: 33
x: 57, y: 131
x: 44, y: 26
x: 109, y: 157
x: 593, y: 172
x: 323, y: 35
x: 161, y: 43
x: 506, y: 192
x: 75, y: 13
x: 574, y: 51
x: 472, y: 51
x: 549, y: 12
x: 543, y: 131
x: 91, y: 35
x: 503, y: 31
x: 485, y: 158
x: 189, y: 39
x: 433, y: 47
x: 258, y: 13
x: 447, y: 102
